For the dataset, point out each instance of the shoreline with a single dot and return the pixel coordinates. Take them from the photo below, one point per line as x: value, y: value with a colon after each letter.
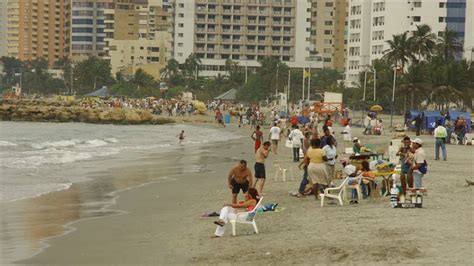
x: 161, y: 223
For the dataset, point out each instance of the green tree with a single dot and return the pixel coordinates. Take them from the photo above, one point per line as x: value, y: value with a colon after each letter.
x: 448, y: 45
x: 400, y: 52
x: 423, y: 41
x: 191, y: 66
x: 92, y: 74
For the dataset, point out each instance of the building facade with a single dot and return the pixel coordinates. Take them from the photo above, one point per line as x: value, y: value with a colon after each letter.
x: 138, y: 36
x: 3, y: 29
x: 244, y: 31
x: 469, y: 29
x: 373, y: 22
x: 328, y: 32
x: 35, y: 29
x: 85, y: 28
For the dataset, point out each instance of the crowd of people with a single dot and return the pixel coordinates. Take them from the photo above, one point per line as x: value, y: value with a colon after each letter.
x: 315, y: 151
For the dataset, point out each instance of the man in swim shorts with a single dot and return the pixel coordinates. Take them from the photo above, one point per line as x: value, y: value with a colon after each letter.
x: 260, y: 156
x: 257, y: 136
x: 240, y: 178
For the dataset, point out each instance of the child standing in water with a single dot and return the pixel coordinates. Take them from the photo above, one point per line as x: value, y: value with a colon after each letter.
x: 181, y: 136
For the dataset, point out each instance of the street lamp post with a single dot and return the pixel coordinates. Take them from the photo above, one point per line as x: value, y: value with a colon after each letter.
x: 393, y: 95
x: 375, y: 84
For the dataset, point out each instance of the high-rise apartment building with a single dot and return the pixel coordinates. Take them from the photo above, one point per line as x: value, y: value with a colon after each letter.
x: 469, y: 29
x: 85, y: 28
x: 242, y: 30
x: 35, y: 29
x: 373, y: 22
x: 3, y: 29
x: 328, y: 32
x: 138, y: 35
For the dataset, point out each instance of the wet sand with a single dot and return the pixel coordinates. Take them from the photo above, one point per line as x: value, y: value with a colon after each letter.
x: 161, y: 223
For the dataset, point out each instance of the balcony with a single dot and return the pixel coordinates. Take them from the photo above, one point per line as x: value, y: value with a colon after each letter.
x: 226, y: 21
x: 235, y: 50
x: 250, y: 40
x: 226, y: 40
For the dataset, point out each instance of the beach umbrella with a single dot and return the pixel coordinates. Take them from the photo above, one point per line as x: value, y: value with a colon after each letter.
x: 376, y: 108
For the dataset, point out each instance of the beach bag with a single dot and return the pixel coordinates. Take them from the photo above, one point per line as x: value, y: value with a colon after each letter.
x: 289, y: 143
x: 423, y: 168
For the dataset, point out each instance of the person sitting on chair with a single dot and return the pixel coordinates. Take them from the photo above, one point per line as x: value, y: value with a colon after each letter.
x: 228, y: 212
x: 356, y: 147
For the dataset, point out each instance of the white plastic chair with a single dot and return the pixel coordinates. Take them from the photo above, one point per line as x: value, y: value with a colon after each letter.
x: 469, y: 139
x: 280, y: 169
x: 242, y: 217
x: 355, y: 186
x: 338, y: 196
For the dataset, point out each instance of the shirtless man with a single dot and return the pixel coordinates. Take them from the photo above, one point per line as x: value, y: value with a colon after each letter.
x: 240, y: 177
x: 260, y: 156
x: 181, y: 136
x: 257, y: 136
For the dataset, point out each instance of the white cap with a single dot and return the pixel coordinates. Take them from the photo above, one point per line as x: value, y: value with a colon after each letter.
x: 355, y: 138
x: 418, y: 141
x: 349, y: 169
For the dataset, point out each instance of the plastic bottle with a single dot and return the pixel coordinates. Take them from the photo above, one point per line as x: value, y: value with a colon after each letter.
x: 394, y: 195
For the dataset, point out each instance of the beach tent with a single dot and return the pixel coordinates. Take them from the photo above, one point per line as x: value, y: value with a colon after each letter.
x: 103, y: 92
x: 430, y: 118
x: 411, y: 116
x: 455, y: 114
x: 230, y: 95
x: 303, y: 119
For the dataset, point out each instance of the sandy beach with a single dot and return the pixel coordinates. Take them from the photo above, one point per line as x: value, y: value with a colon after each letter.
x: 155, y: 218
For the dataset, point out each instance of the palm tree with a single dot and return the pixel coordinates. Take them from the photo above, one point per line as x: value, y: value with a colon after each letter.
x: 191, y: 65
x: 448, y: 45
x: 423, y: 41
x: 400, y: 50
x: 171, y: 70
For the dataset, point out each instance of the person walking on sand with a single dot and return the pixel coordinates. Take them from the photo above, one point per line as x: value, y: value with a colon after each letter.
x: 440, y: 135
x: 257, y: 136
x: 181, y: 136
x: 275, y: 133
x: 260, y: 156
x: 296, y: 136
x: 240, y: 178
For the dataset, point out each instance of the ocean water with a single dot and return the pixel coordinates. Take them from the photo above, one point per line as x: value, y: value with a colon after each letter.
x: 38, y: 158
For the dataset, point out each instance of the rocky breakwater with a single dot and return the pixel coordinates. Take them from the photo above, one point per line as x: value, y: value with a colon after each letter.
x: 57, y: 111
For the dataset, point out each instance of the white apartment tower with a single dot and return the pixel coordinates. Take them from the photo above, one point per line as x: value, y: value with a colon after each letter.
x: 242, y: 30
x: 3, y: 28
x: 469, y: 37
x: 373, y: 22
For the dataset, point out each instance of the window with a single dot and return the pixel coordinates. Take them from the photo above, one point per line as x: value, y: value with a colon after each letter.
x: 180, y: 44
x: 180, y: 34
x: 181, y: 15
x: 82, y: 38
x: 416, y: 19
x: 442, y: 5
x: 82, y: 21
x: 82, y: 30
x: 180, y: 54
x: 329, y: 4
x: 417, y: 4
x: 328, y: 22
x: 328, y: 32
x: 441, y: 19
x: 181, y: 5
x: 181, y: 25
